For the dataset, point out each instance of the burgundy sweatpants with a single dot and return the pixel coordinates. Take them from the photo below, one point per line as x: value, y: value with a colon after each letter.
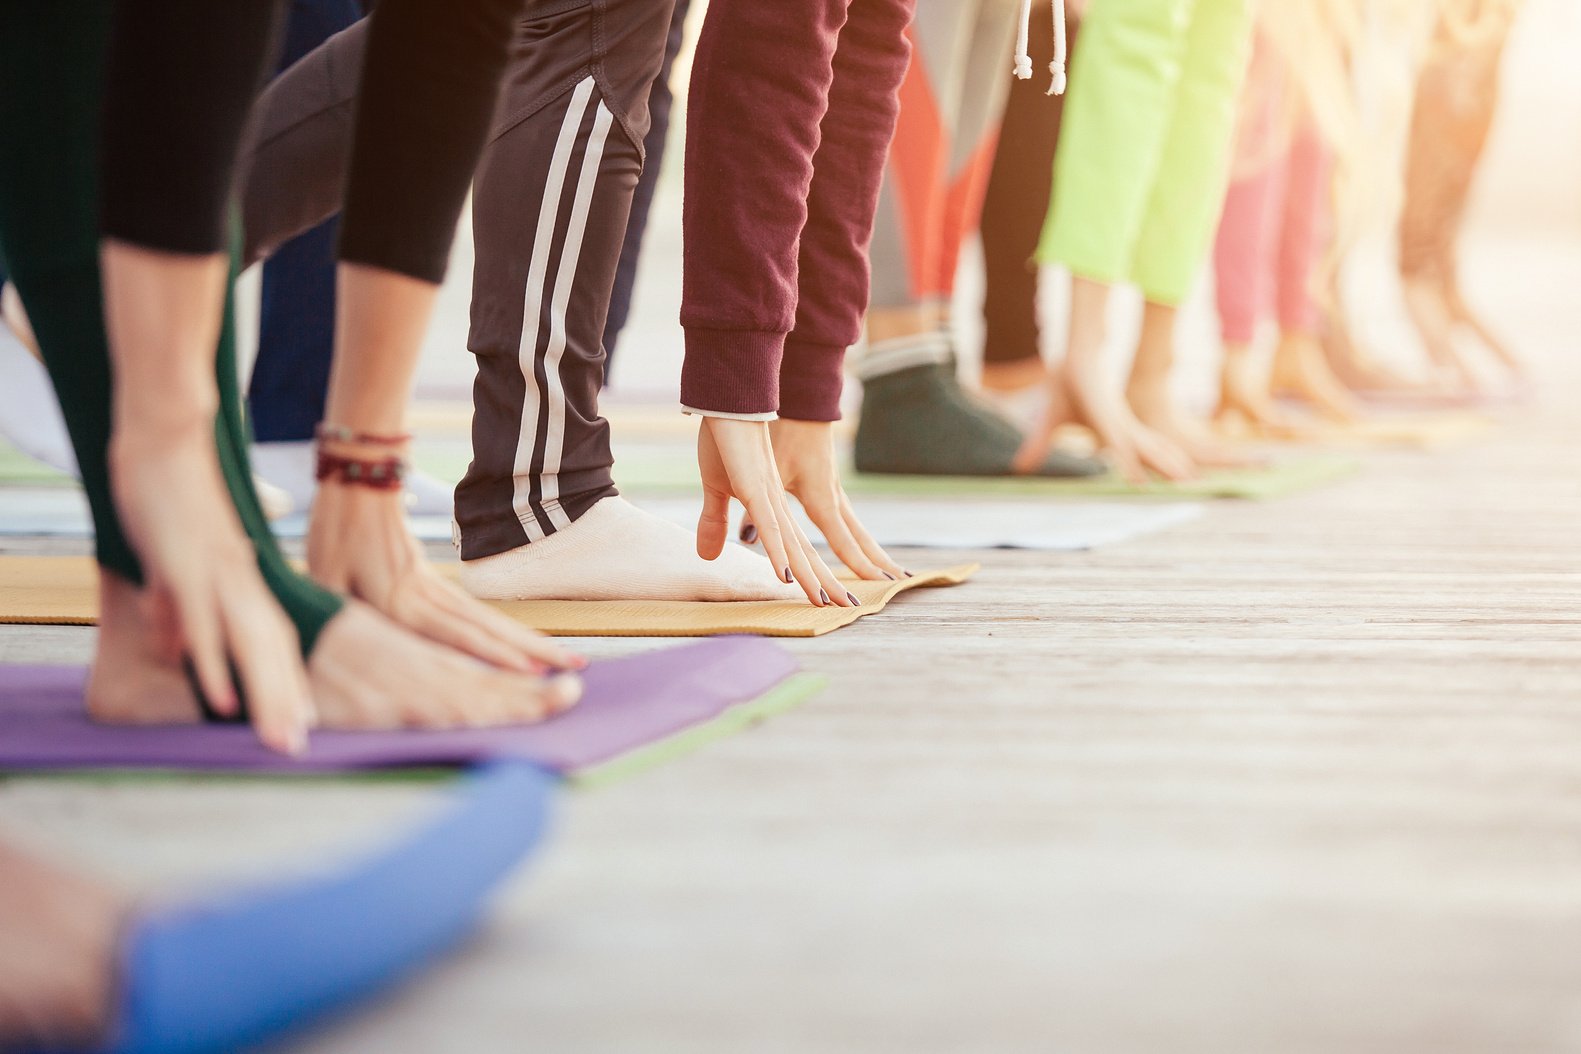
x: 792, y: 108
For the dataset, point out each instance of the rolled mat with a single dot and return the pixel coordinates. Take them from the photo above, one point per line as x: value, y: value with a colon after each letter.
x: 63, y: 590
x: 631, y: 707
x: 232, y: 973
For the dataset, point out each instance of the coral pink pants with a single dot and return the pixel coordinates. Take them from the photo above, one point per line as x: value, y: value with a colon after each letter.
x: 1276, y: 224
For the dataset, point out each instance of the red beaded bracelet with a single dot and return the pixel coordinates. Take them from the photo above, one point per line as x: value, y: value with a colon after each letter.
x: 378, y: 473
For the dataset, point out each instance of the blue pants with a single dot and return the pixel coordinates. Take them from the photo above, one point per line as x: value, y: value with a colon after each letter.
x: 296, y: 331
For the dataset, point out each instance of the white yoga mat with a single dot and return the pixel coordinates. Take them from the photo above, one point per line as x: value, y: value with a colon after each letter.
x: 1059, y: 526
x: 1062, y: 526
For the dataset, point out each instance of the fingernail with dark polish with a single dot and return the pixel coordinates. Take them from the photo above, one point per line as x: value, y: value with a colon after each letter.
x: 749, y: 533
x: 889, y: 576
x: 788, y: 576
x: 823, y: 598
x: 910, y: 575
x: 852, y: 598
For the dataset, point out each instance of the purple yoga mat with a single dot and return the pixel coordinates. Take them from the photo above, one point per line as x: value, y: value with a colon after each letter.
x: 628, y: 703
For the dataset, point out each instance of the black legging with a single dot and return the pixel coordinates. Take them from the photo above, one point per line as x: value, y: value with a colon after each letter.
x: 1017, y: 197
x: 183, y: 75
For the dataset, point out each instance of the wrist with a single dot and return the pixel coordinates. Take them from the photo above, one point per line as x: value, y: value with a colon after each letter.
x: 374, y: 461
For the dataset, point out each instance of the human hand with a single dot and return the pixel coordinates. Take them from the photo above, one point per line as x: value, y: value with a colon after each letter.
x: 737, y: 461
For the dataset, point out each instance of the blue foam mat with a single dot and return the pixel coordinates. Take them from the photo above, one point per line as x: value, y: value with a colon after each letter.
x: 234, y: 973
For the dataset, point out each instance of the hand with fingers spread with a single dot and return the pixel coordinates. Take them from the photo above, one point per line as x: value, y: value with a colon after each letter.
x: 358, y: 543
x: 737, y: 461
x: 805, y: 455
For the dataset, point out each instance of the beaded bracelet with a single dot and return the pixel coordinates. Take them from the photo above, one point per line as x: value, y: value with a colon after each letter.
x: 327, y: 433
x: 378, y: 473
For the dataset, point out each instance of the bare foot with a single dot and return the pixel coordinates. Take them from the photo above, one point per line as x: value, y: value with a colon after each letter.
x: 1080, y: 397
x: 1435, y: 325
x: 365, y: 673
x: 57, y: 958
x: 1302, y: 372
x: 1464, y: 316
x: 1154, y: 407
x: 203, y: 596
x: 1245, y: 398
x: 1355, y: 367
x: 358, y: 543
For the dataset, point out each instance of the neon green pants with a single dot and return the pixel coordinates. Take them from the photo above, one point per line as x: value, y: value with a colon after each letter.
x: 1144, y: 152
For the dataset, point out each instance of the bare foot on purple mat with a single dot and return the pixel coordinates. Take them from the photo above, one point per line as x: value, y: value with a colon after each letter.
x: 366, y: 673
x: 359, y: 545
x: 57, y: 973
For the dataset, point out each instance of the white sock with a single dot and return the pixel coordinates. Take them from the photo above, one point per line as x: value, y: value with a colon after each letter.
x: 293, y: 466
x: 615, y: 551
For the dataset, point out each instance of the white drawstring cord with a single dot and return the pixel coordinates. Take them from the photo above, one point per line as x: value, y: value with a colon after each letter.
x: 1057, y: 67
x: 1023, y: 56
x: 1023, y: 44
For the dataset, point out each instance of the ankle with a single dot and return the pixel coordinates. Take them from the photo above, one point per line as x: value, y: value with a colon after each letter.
x: 1148, y: 387
x: 1013, y: 376
x: 150, y: 429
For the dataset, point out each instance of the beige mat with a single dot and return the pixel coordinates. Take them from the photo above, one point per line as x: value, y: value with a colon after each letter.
x: 61, y: 590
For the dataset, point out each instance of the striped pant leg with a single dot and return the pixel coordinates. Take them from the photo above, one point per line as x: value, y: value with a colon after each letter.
x: 550, y: 205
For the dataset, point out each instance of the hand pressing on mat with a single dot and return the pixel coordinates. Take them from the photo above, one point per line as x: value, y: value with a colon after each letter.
x: 202, y: 592
x: 805, y: 455
x: 737, y: 461
x: 358, y: 543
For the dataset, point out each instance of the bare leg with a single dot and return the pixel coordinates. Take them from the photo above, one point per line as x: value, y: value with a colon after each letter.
x: 1463, y: 315
x: 1150, y: 398
x: 1079, y: 393
x: 57, y: 962
x: 1244, y: 396
x: 1430, y: 313
x: 1016, y: 376
x: 1301, y: 371
x: 1356, y: 367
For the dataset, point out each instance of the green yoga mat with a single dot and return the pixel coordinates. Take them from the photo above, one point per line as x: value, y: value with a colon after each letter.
x: 17, y: 468
x: 786, y: 695
x: 652, y: 469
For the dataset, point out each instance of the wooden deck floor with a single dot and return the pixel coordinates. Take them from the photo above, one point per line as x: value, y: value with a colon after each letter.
x: 1303, y: 775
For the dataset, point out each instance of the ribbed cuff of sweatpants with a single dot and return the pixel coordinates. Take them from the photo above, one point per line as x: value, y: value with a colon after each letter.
x: 732, y: 371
